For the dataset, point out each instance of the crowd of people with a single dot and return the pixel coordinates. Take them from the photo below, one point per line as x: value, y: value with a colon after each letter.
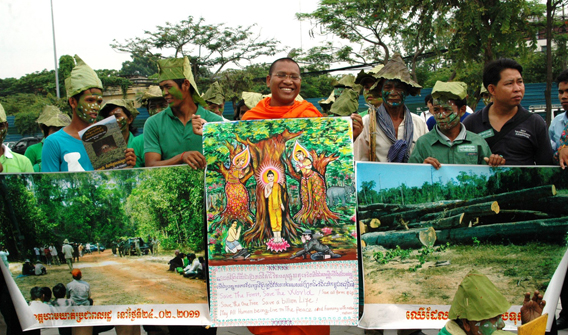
x: 501, y: 133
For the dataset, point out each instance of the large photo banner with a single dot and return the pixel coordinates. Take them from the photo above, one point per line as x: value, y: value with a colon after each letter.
x: 96, y: 247
x: 282, y: 240
x: 423, y: 230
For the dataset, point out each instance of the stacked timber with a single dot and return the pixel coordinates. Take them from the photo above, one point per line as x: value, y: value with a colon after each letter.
x: 513, y: 216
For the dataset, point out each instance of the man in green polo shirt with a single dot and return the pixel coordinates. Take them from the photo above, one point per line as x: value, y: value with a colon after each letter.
x: 50, y: 121
x: 168, y: 136
x: 10, y: 162
x: 449, y: 142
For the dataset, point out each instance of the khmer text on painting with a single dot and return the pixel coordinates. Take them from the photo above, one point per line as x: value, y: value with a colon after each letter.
x: 280, y: 191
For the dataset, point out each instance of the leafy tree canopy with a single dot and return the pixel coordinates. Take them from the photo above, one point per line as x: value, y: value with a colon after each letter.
x: 212, y: 46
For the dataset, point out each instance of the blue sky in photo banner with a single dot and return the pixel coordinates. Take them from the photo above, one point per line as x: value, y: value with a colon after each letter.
x: 392, y: 175
x: 88, y: 28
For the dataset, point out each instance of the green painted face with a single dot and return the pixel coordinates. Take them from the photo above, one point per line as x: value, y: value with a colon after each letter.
x: 175, y: 93
x: 394, y: 92
x: 488, y: 327
x: 89, y: 105
x: 122, y: 123
x: 445, y: 114
x: 156, y: 105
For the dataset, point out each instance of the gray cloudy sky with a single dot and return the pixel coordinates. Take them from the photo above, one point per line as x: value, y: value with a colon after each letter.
x: 87, y: 28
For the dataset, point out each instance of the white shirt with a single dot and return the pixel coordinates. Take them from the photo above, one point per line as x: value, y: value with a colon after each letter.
x: 383, y: 144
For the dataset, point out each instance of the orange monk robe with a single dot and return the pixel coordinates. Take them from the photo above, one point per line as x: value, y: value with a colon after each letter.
x: 298, y: 110
x: 263, y: 111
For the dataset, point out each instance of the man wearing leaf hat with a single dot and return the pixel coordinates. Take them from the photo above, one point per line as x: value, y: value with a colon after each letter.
x: 154, y: 102
x: 10, y: 162
x: 478, y: 305
x: 50, y: 121
x: 215, y: 99
x: 64, y: 150
x: 449, y: 142
x: 125, y: 113
x: 169, y: 138
x: 392, y: 136
x: 367, y: 80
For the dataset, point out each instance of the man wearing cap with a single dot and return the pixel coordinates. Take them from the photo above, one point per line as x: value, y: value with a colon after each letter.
x: 67, y: 251
x: 510, y: 130
x: 78, y: 290
x: 215, y: 99
x: 64, y: 150
x: 10, y: 162
x: 50, y: 121
x: 478, y: 305
x: 169, y: 138
x: 391, y: 138
x: 449, y: 142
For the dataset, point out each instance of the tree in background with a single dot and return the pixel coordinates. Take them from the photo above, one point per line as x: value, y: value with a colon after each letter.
x: 211, y: 46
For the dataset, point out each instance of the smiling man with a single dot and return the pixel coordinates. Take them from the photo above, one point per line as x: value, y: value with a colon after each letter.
x: 169, y: 138
x: 510, y: 130
x: 284, y: 81
x: 391, y: 137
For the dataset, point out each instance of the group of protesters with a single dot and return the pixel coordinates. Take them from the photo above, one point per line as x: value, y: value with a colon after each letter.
x: 502, y: 133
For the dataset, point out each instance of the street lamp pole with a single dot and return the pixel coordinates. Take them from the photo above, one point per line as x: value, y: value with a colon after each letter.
x: 54, y: 52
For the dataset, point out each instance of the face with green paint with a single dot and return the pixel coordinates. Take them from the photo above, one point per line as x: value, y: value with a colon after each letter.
x: 89, y: 104
x: 156, y: 105
x: 446, y: 113
x: 484, y: 327
x: 172, y: 93
x: 394, y: 92
x: 121, y: 117
x: 215, y: 108
x: 3, y: 131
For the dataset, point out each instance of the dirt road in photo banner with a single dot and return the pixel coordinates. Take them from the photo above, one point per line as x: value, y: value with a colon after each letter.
x: 122, y: 280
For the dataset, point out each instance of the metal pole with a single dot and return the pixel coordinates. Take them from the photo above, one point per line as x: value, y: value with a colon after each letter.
x: 54, y: 52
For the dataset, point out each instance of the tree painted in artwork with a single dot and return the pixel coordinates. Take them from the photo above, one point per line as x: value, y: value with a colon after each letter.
x: 236, y: 176
x: 310, y: 174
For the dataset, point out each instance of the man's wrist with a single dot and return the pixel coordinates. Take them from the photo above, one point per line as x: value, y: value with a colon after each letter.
x: 183, y: 153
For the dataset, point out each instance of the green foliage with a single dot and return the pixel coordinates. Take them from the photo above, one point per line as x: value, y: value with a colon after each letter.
x: 217, y: 44
x: 475, y: 241
x: 423, y: 255
x: 166, y: 203
x: 27, y: 107
x: 110, y: 78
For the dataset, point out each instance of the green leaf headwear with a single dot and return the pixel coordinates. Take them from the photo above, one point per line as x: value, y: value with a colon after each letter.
x: 214, y: 94
x: 51, y: 116
x: 455, y: 90
x: 82, y: 78
x: 346, y: 104
x: 477, y: 299
x: 179, y: 68
x: 127, y: 104
x: 396, y: 69
x: 153, y: 92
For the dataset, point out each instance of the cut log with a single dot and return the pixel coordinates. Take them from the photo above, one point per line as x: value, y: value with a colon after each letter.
x: 491, y: 207
x: 545, y: 230
x: 526, y: 195
x: 453, y: 221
